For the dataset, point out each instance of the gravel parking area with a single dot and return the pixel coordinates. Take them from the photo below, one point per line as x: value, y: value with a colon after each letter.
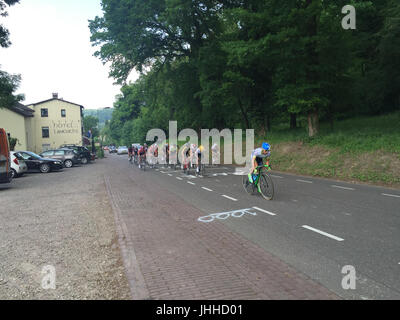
x: 62, y: 219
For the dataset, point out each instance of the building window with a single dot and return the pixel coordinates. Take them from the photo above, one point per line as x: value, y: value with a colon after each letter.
x: 63, y: 113
x: 45, y: 132
x: 44, y: 113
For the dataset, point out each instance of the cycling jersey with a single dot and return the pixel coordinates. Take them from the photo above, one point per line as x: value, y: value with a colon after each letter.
x: 259, y: 154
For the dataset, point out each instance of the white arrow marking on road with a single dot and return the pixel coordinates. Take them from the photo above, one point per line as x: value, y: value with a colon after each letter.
x: 390, y: 195
x: 230, y: 198
x: 342, y: 187
x: 323, y: 233
x: 265, y: 211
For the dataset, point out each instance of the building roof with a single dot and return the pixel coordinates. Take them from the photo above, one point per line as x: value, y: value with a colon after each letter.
x: 48, y: 100
x: 22, y: 110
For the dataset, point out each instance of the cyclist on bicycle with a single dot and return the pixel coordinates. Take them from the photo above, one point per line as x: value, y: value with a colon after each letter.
x: 198, y: 153
x: 130, y: 153
x: 166, y: 153
x: 185, y: 156
x: 142, y: 153
x: 257, y: 157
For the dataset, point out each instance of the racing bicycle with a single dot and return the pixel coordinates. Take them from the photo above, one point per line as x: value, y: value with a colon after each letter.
x: 262, y: 182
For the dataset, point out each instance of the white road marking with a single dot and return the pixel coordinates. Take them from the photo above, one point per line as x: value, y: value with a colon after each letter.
x: 323, y: 233
x: 170, y: 174
x: 305, y: 181
x: 179, y: 178
x: 191, y: 183
x: 207, y: 189
x: 230, y: 198
x: 276, y: 176
x: 265, y: 211
x: 390, y: 195
x: 345, y: 188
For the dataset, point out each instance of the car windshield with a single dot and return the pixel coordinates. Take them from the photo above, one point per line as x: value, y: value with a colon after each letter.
x: 30, y: 154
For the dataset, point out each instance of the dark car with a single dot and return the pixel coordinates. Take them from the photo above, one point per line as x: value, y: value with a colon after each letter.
x: 36, y: 162
x: 68, y: 157
x: 84, y: 153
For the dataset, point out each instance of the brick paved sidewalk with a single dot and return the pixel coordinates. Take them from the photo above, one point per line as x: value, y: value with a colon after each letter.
x: 181, y: 259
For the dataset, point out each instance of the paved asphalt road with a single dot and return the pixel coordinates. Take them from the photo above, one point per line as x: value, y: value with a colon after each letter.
x: 317, y: 226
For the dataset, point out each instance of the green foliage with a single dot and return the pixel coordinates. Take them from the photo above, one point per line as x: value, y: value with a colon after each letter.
x: 13, y: 143
x: 8, y: 83
x: 354, y: 136
x: 250, y: 64
x: 91, y: 123
x: 103, y: 115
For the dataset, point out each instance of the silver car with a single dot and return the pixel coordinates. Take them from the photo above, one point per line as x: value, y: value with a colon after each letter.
x: 122, y: 150
x: 18, y: 165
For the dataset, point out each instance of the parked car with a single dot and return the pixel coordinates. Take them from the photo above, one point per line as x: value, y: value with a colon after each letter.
x: 84, y: 153
x: 36, y: 162
x: 113, y: 149
x: 18, y: 165
x: 5, y: 165
x: 68, y: 157
x: 122, y: 150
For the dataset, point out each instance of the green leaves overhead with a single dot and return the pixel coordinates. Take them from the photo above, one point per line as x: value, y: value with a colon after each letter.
x: 229, y: 64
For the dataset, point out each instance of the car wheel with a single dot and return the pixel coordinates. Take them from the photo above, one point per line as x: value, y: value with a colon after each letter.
x: 44, y: 168
x: 84, y: 161
x: 68, y: 163
x: 13, y: 174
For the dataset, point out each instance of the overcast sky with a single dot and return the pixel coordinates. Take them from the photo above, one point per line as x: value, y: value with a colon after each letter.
x: 51, y: 50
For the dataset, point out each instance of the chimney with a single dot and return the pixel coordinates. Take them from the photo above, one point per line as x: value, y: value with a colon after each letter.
x: 55, y: 95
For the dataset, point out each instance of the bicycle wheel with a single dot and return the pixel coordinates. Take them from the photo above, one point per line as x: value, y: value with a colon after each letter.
x: 266, y: 186
x: 247, y: 185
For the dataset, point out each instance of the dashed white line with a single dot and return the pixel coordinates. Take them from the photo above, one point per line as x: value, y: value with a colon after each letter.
x: 230, y: 198
x: 390, y: 195
x: 170, y: 174
x: 193, y: 184
x: 207, y: 189
x: 274, y: 176
x: 323, y: 233
x: 179, y: 178
x: 304, y: 181
x: 265, y: 211
x: 345, y: 188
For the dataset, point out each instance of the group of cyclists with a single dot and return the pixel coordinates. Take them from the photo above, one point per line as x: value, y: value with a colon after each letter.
x: 190, y: 156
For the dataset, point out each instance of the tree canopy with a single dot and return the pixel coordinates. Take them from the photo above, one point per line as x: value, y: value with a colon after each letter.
x: 247, y: 63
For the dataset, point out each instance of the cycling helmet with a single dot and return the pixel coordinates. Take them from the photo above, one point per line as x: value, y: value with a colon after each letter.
x: 266, y: 146
x: 201, y: 148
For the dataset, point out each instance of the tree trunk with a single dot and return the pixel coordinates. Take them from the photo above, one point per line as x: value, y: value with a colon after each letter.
x: 293, y: 121
x: 313, y: 123
x: 246, y: 119
x: 268, y: 123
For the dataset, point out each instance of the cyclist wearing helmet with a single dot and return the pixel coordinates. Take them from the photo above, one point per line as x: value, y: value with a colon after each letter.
x: 198, y: 153
x: 257, y: 157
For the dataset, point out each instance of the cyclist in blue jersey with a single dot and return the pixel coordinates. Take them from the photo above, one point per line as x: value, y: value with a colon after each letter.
x: 257, y: 157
